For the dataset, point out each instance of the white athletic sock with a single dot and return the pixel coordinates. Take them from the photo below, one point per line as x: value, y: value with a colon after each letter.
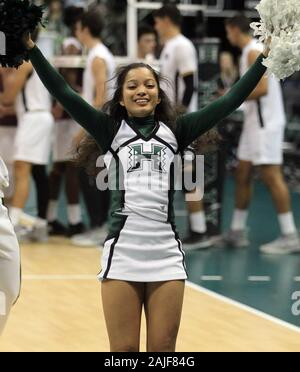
x: 287, y: 223
x: 52, y: 210
x: 74, y: 214
x: 239, y: 219
x: 198, y: 222
x: 15, y: 214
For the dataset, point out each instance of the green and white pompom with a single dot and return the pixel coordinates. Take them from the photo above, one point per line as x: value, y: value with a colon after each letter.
x: 280, y: 21
x: 16, y: 18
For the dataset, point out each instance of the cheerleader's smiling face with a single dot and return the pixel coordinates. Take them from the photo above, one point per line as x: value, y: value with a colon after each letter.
x: 140, y: 92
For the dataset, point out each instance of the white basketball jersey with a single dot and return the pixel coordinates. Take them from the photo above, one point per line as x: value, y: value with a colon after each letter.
x: 142, y: 167
x: 101, y: 51
x: 177, y: 58
x: 268, y: 111
x: 33, y: 97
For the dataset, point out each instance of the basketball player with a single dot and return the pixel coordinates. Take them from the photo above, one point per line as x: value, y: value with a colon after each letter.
x: 64, y: 132
x: 179, y: 64
x: 32, y: 143
x: 9, y: 256
x: 261, y: 145
x: 97, y: 88
x: 8, y: 126
x: 142, y: 262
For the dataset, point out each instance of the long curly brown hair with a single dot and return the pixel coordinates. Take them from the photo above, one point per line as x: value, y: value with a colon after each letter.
x: 87, y: 151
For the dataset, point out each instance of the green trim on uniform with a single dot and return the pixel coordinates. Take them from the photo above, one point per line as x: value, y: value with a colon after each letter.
x: 117, y: 197
x: 112, y: 247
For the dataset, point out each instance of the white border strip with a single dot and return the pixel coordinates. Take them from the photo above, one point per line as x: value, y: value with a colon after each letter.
x: 246, y: 308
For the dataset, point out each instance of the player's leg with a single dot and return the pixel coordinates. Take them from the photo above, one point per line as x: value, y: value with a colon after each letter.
x: 272, y: 177
x: 237, y: 235
x: 198, y: 237
x: 289, y: 242
x: 97, y: 205
x: 72, y: 189
x: 32, y: 146
x: 122, y: 305
x: 55, y: 180
x: 243, y: 190
x: 163, y: 307
x: 9, y: 266
x: 22, y: 172
x: 41, y: 179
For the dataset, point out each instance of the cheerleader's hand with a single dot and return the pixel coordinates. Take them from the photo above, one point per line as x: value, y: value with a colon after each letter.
x: 267, y: 44
x: 26, y: 39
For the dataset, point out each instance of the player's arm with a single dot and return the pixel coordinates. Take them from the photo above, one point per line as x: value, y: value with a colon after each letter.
x: 187, y: 65
x: 262, y: 87
x: 14, y: 83
x: 99, y: 71
x: 99, y: 75
x: 190, y: 126
x: 98, y: 124
x: 189, y: 88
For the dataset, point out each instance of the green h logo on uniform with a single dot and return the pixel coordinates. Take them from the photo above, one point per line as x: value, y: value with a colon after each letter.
x: 137, y: 158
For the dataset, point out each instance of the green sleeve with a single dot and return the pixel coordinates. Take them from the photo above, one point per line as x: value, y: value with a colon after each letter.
x: 190, y: 126
x: 96, y: 123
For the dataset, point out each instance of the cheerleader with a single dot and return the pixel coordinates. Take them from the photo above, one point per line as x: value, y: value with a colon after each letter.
x: 143, y: 261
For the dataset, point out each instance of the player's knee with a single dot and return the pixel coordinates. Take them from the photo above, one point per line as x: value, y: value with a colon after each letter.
x: 271, y: 179
x: 243, y: 178
x: 243, y: 174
